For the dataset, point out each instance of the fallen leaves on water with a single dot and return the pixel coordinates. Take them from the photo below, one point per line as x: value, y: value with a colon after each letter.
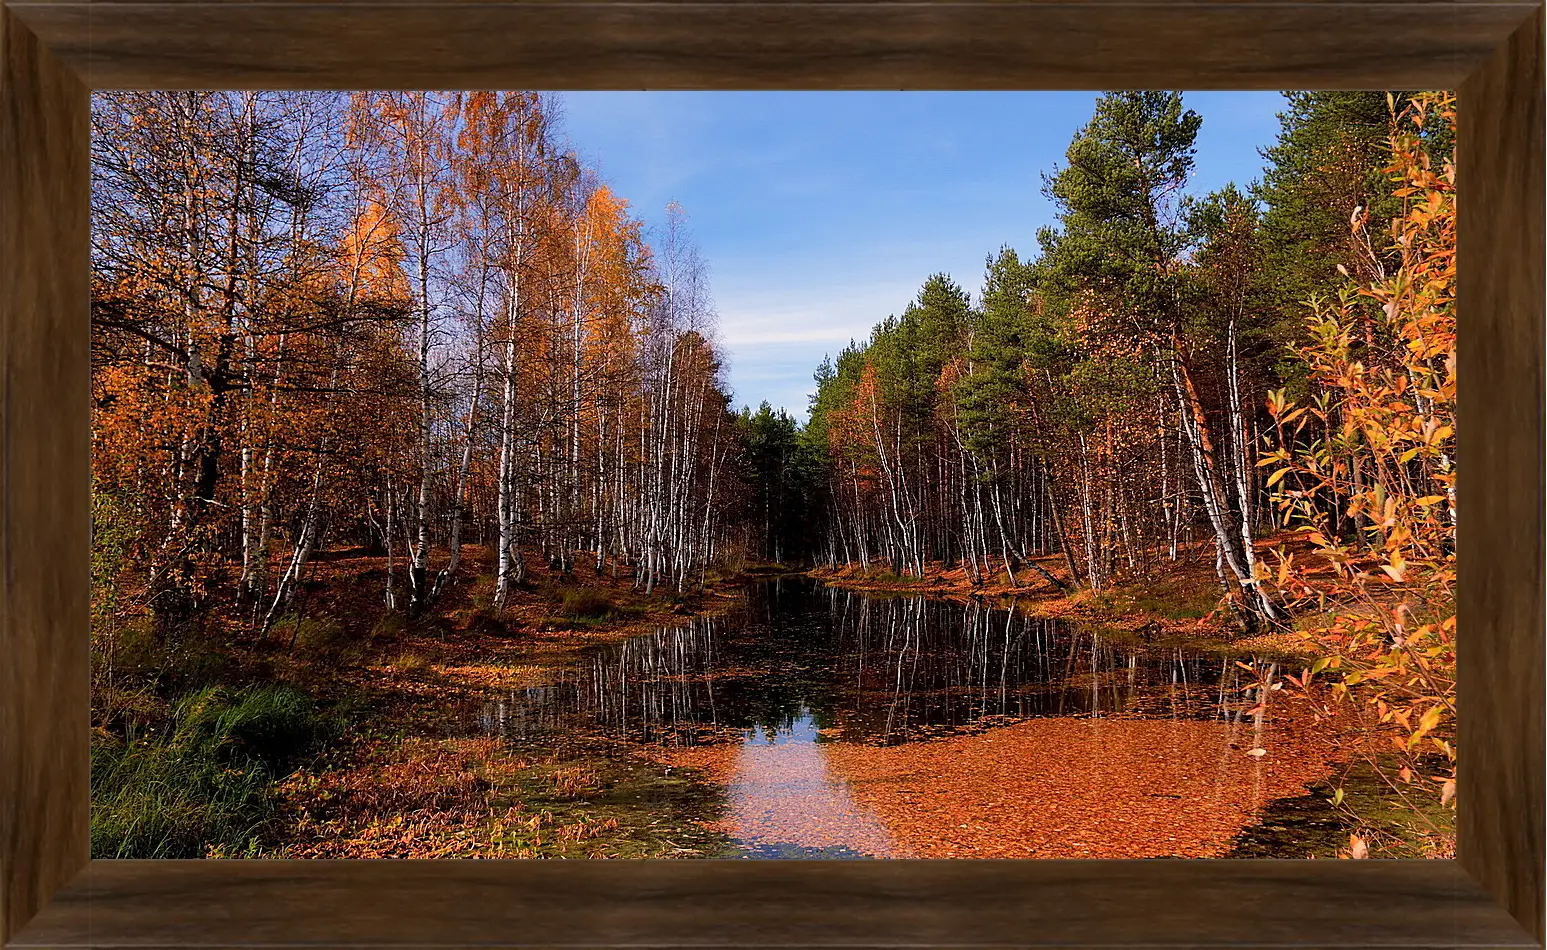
x: 1077, y: 788
x: 1044, y: 788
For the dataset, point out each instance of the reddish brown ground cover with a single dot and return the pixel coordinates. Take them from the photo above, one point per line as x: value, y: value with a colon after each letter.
x: 418, y: 794
x: 1045, y: 788
x: 418, y: 799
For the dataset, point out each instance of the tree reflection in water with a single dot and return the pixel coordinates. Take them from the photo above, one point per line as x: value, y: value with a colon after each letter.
x: 872, y: 669
x: 778, y: 700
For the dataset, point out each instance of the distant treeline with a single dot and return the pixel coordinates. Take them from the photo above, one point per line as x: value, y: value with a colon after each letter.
x: 1113, y: 397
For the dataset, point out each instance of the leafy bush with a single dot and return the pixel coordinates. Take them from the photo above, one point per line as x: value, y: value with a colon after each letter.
x: 125, y: 649
x: 191, y: 658
x: 113, y: 533
x: 1367, y: 471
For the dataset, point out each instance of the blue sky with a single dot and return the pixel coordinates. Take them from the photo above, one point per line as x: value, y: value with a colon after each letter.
x: 820, y: 213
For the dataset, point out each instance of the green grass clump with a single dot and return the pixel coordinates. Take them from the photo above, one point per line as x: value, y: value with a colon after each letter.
x: 481, y: 591
x: 201, y: 780
x: 410, y: 662
x: 1182, y: 605
x: 319, y: 638
x: 324, y: 638
x: 889, y: 578
x: 391, y: 626
x: 586, y: 603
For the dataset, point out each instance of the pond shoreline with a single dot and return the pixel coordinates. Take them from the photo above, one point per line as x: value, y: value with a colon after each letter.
x: 730, y: 768
x: 574, y: 798
x: 413, y: 774
x: 1305, y: 825
x: 1180, y: 601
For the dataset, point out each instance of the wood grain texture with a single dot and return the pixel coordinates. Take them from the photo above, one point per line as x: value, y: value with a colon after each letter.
x: 1500, y: 272
x: 44, y: 474
x: 690, y: 44
x: 766, y: 904
x: 1525, y: 6
x: 816, y: 45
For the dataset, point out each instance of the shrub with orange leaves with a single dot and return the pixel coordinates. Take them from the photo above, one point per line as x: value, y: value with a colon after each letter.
x: 1366, y: 467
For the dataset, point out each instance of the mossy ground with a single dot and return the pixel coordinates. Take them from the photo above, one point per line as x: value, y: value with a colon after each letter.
x: 569, y: 798
x: 596, y: 802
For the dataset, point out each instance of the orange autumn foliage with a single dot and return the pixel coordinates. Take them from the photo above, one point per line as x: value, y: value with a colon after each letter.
x: 1367, y: 470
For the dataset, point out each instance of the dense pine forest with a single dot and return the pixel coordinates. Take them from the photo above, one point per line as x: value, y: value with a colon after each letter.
x: 1117, y: 394
x: 374, y: 371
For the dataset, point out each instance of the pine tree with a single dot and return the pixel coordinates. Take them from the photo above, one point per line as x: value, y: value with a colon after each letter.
x: 1117, y: 262
x: 1329, y: 157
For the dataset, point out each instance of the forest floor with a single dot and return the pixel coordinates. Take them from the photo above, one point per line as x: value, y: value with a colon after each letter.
x: 426, y: 781
x: 408, y: 771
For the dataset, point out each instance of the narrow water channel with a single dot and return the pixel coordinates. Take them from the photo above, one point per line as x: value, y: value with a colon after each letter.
x: 842, y: 724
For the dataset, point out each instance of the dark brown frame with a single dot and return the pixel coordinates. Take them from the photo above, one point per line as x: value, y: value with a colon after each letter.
x: 52, y: 52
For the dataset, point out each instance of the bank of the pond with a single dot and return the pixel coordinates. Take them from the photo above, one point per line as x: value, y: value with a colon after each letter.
x: 479, y: 798
x: 348, y: 731
x: 1177, y: 603
x: 1172, y: 600
x: 1357, y: 801
x: 423, y: 781
x: 766, y: 716
x: 841, y: 724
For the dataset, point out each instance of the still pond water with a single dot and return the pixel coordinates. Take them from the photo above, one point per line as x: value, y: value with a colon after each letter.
x: 839, y: 723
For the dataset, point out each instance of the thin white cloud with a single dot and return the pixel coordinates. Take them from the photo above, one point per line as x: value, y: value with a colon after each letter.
x: 815, y: 315
x: 743, y: 340
x: 826, y: 217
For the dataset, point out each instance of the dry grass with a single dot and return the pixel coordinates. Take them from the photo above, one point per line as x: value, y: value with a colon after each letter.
x: 415, y: 775
x: 409, y: 661
x: 496, y: 677
x: 421, y: 798
x: 575, y: 782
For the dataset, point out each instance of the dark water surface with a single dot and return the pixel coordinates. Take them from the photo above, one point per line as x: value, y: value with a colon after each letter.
x: 802, y: 664
x: 864, y: 668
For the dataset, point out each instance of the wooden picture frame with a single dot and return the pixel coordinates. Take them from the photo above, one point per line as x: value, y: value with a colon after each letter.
x: 53, y: 52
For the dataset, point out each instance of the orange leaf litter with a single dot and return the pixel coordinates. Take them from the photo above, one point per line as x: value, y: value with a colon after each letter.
x: 1045, y: 788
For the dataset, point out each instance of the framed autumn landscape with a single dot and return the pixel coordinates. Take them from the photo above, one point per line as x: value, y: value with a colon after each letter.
x: 417, y: 508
